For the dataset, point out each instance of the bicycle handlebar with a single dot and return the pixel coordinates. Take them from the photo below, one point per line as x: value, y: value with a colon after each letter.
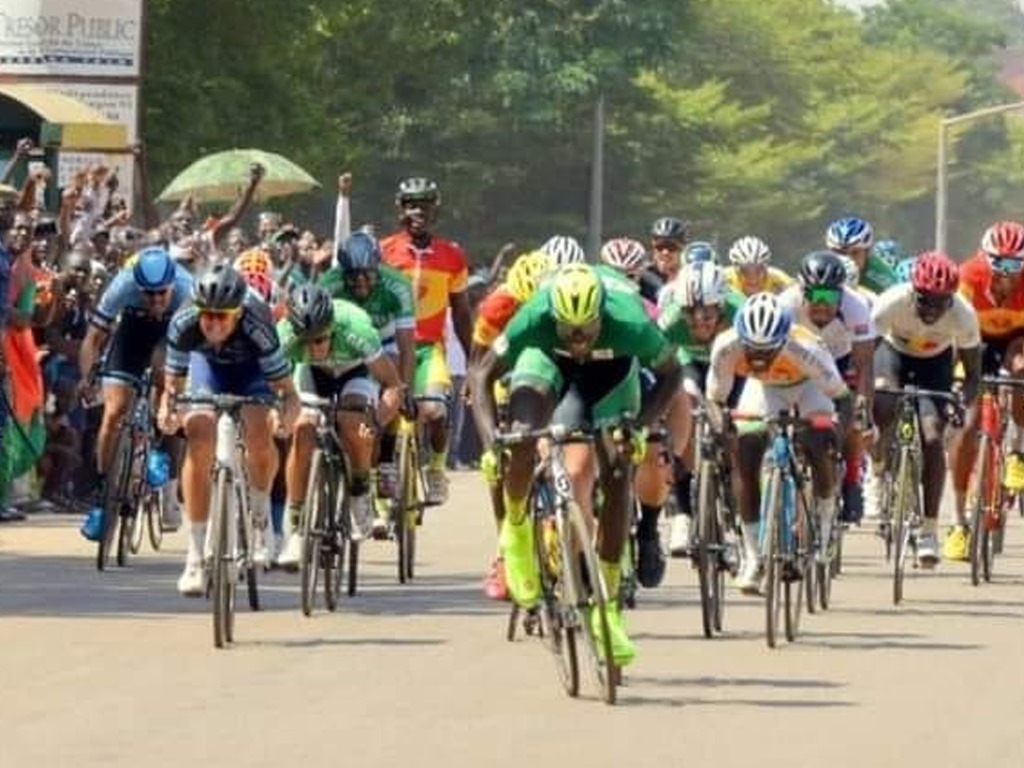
x: 993, y: 382
x: 232, y: 403
x: 332, y: 404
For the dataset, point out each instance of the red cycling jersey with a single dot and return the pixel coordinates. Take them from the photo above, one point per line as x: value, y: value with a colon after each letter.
x: 996, y: 320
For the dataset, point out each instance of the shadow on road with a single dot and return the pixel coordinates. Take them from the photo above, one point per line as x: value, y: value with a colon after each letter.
x: 323, y: 642
x: 878, y: 641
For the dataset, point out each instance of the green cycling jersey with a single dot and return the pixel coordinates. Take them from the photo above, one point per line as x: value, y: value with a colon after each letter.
x: 877, y: 275
x: 390, y: 303
x: 673, y: 323
x: 354, y: 341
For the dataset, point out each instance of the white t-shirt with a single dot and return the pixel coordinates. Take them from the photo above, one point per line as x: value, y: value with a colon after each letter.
x: 852, y: 324
x: 453, y: 349
x: 896, y: 320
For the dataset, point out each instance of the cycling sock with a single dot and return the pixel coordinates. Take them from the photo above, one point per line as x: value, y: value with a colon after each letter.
x: 360, y: 484
x: 930, y: 526
x: 438, y: 459
x: 647, y: 527
x: 260, y: 501
x: 612, y: 573
x: 752, y: 540
x: 196, y: 542
x: 683, y: 488
x: 515, y: 510
x: 293, y: 517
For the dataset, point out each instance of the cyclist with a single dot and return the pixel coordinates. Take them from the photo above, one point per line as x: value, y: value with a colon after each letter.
x: 923, y: 325
x: 225, y: 343
x: 784, y: 366
x: 890, y: 251
x: 992, y: 281
x: 626, y: 255
x: 386, y: 295
x: 493, y: 314
x: 439, y: 275
x: 668, y: 237
x: 824, y: 305
x: 337, y: 352
x: 853, y: 281
x: 576, y: 348
x: 751, y: 271
x: 852, y: 236
x: 140, y: 302
x: 698, y: 307
x: 563, y: 249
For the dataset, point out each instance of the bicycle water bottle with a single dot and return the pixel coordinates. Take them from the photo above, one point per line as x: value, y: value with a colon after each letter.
x: 158, y: 469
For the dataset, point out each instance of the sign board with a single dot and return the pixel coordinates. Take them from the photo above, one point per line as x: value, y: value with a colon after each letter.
x: 79, y: 38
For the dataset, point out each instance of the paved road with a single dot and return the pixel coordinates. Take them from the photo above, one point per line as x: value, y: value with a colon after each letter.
x: 115, y: 669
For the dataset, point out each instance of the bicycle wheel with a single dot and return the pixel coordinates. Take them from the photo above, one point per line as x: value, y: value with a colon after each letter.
x: 222, y: 588
x: 244, y: 566
x: 154, y: 519
x: 558, y: 634
x: 903, y: 499
x: 592, y: 595
x: 339, y: 532
x: 800, y: 554
x: 353, y: 567
x: 981, y: 496
x: 139, y: 522
x: 114, y: 492
x: 771, y: 508
x: 408, y: 508
x: 707, y: 545
x: 312, y: 533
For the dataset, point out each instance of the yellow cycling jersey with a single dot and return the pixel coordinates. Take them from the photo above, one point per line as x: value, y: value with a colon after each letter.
x: 776, y: 281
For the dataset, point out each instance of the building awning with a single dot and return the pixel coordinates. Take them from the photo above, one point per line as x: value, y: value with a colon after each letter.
x: 67, y: 122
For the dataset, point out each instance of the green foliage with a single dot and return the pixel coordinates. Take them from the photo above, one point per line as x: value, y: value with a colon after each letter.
x: 740, y: 115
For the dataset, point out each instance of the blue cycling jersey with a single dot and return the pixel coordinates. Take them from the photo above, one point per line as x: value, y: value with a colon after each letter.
x: 254, y: 339
x: 124, y: 298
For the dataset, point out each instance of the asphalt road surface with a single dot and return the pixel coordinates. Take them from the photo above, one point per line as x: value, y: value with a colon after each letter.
x: 116, y: 669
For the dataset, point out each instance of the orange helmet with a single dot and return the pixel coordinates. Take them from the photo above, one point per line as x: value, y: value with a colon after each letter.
x: 255, y: 260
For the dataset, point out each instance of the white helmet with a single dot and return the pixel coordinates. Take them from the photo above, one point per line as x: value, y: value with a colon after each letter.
x: 749, y: 250
x: 763, y: 322
x: 852, y: 271
x: 699, y: 284
x: 563, y: 250
x: 624, y: 254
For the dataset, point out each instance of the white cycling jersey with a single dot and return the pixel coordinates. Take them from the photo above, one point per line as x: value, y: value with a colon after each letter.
x: 896, y: 320
x: 852, y: 323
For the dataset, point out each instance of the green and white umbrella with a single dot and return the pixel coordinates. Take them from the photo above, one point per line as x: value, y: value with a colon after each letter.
x: 222, y: 176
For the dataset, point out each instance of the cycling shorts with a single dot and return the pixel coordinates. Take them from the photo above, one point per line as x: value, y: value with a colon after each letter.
x: 993, y: 352
x: 894, y: 369
x: 208, y: 378
x: 695, y: 378
x: 131, y: 349
x: 315, y: 380
x: 432, y: 376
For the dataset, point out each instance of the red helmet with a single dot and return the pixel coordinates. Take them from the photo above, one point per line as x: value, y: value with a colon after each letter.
x: 934, y: 272
x: 261, y: 283
x: 1004, y: 239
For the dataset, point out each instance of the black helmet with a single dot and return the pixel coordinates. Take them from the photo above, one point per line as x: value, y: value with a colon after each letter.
x: 310, y: 311
x: 822, y: 269
x: 220, y: 287
x: 418, y: 188
x: 360, y: 252
x: 668, y: 228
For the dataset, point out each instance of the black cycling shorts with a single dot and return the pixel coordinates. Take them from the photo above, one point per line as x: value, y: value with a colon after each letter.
x: 131, y: 348
x: 934, y: 372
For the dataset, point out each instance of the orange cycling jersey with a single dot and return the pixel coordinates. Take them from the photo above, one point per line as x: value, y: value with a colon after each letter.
x: 436, y: 271
x: 493, y: 314
x: 996, y: 320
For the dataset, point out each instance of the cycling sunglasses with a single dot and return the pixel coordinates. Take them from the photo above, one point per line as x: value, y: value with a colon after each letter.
x: 666, y: 245
x: 830, y: 296
x: 1006, y: 266
x: 934, y: 301
x: 220, y: 315
x: 154, y: 292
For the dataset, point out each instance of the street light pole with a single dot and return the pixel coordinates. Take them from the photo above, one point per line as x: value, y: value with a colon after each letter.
x: 945, y: 124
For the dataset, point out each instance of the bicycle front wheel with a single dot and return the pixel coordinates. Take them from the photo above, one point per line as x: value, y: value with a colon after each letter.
x: 981, y: 497
x: 708, y: 544
x: 592, y: 600
x: 408, y: 506
x: 799, y: 554
x: 154, y: 519
x: 771, y: 509
x: 903, y: 495
x: 222, y: 587
x: 117, y: 487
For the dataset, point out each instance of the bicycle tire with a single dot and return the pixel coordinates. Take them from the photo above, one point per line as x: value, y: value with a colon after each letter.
x: 594, y: 586
x: 221, y: 588
x: 900, y: 533
x: 801, y: 555
x: 339, y: 528
x: 559, y: 635
x: 980, y: 539
x: 707, y: 565
x: 353, y: 568
x: 410, y: 507
x: 312, y: 535
x: 772, y: 539
x: 154, y: 520
x: 112, y: 494
x: 139, y: 524
x: 244, y: 550
x: 404, y: 537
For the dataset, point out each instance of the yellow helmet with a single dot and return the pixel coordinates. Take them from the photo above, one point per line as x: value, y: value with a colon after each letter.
x: 576, y: 295
x: 525, y: 275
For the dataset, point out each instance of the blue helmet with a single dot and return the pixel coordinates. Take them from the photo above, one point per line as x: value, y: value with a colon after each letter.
x: 360, y: 252
x: 698, y: 252
x: 849, y: 232
x: 154, y: 268
x: 763, y: 322
x: 891, y: 252
x: 904, y: 269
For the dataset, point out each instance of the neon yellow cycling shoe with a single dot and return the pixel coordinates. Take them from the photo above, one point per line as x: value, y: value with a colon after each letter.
x: 623, y: 650
x: 957, y: 543
x: 1013, y: 472
x: 521, y: 574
